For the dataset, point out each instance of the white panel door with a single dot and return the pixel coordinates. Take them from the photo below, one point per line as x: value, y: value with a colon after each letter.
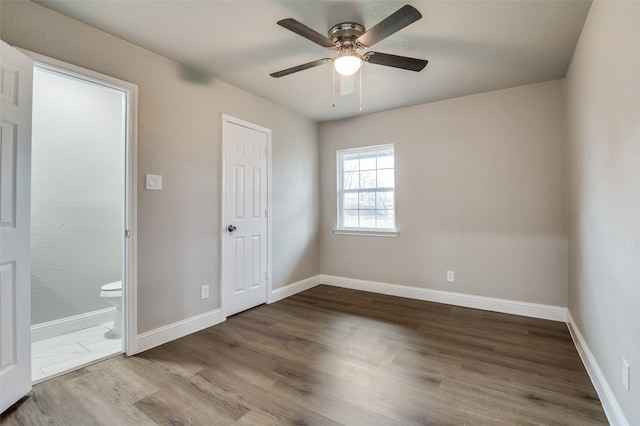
x: 16, y: 73
x: 244, y: 248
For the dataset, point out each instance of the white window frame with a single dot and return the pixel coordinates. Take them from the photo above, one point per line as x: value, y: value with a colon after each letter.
x: 344, y: 230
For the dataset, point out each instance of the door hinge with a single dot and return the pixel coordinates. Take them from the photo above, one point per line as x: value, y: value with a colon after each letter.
x: 266, y: 151
x: 266, y: 275
x: 266, y: 213
x: 127, y: 233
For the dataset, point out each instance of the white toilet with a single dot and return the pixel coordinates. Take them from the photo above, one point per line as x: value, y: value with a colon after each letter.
x: 112, y: 293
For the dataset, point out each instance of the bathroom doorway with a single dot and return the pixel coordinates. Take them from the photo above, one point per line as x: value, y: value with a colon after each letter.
x: 82, y: 204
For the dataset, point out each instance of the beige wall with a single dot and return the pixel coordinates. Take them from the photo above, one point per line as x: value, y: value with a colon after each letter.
x: 603, y: 137
x: 179, y: 132
x: 480, y: 190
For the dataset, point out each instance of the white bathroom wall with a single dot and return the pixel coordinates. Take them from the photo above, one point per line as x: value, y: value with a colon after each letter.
x: 77, y: 194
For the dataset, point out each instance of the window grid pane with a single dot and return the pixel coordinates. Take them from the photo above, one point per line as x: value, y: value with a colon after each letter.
x: 351, y: 180
x: 367, y: 192
x: 368, y: 178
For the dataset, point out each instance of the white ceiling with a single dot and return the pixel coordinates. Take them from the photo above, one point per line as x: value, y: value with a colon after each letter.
x: 472, y: 46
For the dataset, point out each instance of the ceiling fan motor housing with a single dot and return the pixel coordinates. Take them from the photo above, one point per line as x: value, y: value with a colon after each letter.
x: 345, y: 35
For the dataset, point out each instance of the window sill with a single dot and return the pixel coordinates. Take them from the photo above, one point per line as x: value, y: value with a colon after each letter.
x: 366, y: 233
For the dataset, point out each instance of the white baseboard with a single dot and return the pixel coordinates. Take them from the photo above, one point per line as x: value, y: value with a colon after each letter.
x: 294, y: 288
x: 609, y: 403
x: 534, y: 310
x: 167, y: 333
x: 159, y: 336
x: 66, y: 325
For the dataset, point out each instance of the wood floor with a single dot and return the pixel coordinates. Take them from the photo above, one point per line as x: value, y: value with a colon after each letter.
x: 335, y: 356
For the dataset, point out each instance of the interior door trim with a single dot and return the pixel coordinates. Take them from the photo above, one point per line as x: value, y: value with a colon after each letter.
x: 130, y: 293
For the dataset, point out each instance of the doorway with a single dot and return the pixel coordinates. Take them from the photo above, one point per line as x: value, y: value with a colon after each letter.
x: 246, y: 189
x: 82, y: 194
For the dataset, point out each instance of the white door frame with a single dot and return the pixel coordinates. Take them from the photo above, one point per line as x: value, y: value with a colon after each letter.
x: 223, y: 219
x: 130, y: 284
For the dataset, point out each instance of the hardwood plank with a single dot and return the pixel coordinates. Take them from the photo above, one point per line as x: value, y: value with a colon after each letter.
x: 331, y: 356
x: 286, y: 410
x: 187, y: 403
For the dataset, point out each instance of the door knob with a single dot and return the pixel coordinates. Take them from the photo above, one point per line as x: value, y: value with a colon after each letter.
x: 231, y: 228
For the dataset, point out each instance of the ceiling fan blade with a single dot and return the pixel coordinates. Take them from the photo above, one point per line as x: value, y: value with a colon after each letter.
x: 306, y: 32
x: 300, y: 67
x: 395, y: 22
x: 404, y: 62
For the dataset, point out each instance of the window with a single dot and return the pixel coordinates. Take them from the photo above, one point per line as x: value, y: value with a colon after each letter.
x: 366, y: 191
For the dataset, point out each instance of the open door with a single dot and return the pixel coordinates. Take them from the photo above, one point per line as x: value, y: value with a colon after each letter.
x: 16, y: 76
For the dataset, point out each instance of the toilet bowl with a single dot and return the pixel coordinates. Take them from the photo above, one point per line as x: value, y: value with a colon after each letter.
x: 112, y: 293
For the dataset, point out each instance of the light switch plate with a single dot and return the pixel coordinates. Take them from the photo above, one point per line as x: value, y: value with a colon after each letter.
x: 154, y: 182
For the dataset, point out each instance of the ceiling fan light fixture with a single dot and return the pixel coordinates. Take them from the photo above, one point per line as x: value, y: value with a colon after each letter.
x: 348, y: 62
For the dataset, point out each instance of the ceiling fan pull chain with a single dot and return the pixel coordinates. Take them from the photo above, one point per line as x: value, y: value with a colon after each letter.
x: 333, y: 86
x: 360, y: 90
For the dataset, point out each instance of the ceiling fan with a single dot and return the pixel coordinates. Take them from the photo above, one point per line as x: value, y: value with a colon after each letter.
x: 349, y: 37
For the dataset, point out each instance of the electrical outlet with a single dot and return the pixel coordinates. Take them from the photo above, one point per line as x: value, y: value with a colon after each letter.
x: 450, y: 277
x: 204, y: 292
x: 625, y: 374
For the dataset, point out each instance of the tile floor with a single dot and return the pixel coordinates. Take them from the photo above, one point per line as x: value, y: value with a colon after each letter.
x: 58, y: 355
